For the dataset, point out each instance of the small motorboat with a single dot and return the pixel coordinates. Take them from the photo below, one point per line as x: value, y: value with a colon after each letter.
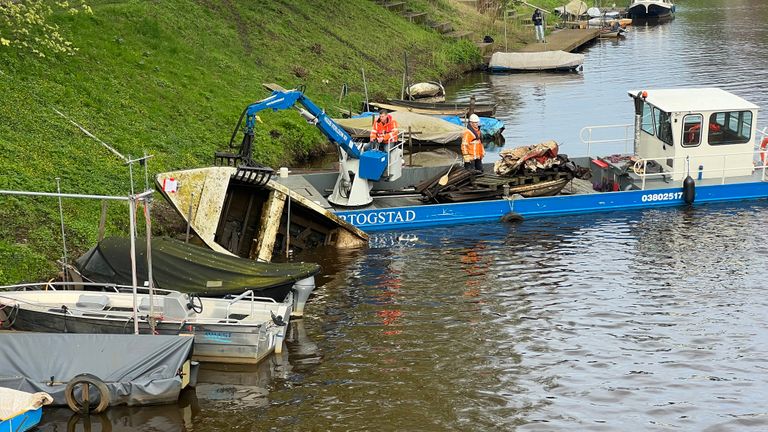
x: 535, y: 61
x: 243, y: 329
x: 614, y: 33
x: 21, y: 411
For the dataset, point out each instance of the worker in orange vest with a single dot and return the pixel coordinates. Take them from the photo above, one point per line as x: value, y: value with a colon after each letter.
x: 472, y: 146
x: 384, y: 129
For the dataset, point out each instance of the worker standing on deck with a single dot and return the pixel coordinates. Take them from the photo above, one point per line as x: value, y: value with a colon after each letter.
x: 384, y: 129
x: 538, y: 24
x: 472, y: 146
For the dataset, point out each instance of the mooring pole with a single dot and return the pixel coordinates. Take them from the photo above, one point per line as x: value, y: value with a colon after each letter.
x: 132, y: 226
x: 63, y: 234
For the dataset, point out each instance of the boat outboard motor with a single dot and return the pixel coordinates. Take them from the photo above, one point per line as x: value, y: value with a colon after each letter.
x: 689, y: 190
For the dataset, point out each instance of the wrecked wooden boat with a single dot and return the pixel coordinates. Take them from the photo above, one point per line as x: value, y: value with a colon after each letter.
x: 234, y: 212
x: 191, y: 269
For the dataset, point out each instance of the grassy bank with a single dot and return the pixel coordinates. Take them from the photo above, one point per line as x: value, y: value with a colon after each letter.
x: 170, y: 79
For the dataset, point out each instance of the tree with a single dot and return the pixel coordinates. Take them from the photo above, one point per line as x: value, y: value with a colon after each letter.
x: 25, y: 24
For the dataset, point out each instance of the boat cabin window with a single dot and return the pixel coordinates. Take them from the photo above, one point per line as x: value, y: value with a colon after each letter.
x: 663, y: 125
x: 692, y: 130
x: 647, y: 123
x: 733, y: 127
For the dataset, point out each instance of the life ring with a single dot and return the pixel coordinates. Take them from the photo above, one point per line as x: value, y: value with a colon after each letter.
x: 763, y: 149
x: 84, y: 404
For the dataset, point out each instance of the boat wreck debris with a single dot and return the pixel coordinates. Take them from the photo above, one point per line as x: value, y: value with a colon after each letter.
x: 232, y: 216
x: 530, y: 171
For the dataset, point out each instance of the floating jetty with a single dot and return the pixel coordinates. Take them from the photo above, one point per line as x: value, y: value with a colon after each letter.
x: 564, y: 40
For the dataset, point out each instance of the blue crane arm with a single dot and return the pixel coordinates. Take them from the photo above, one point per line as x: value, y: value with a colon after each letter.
x: 280, y: 100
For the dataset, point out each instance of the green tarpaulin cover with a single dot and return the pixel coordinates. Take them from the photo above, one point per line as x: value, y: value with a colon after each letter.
x: 187, y: 268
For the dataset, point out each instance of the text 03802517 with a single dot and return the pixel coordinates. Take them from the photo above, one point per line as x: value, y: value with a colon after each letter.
x: 666, y: 196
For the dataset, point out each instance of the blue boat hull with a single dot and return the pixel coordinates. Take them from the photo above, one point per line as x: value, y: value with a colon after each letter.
x: 429, y: 215
x: 22, y: 422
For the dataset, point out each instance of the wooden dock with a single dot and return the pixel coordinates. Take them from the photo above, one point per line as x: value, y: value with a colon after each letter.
x: 563, y: 40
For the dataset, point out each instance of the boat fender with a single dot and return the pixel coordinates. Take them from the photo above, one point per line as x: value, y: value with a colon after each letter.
x: 85, y: 405
x: 763, y: 149
x: 689, y: 190
x: 512, y: 217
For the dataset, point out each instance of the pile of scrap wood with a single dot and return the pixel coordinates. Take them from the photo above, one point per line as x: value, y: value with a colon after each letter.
x: 469, y: 185
x: 536, y: 159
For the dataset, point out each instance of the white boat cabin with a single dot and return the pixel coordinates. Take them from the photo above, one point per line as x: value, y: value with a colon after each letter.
x: 707, y: 130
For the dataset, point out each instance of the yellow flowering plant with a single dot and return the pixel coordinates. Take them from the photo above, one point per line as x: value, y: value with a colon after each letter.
x: 26, y: 24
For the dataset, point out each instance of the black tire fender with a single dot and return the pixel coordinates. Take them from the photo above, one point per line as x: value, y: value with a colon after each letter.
x: 86, y: 406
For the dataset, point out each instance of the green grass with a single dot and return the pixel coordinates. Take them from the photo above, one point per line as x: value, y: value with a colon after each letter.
x: 170, y: 78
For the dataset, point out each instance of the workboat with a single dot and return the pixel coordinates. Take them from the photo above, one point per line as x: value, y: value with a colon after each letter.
x: 651, y: 10
x: 187, y: 268
x: 243, y: 329
x: 558, y: 61
x: 686, y: 147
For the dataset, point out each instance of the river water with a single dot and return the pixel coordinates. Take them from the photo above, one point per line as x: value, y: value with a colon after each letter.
x: 645, y: 320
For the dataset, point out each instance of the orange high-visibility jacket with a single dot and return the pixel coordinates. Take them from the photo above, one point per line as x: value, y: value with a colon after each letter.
x: 385, y: 128
x: 471, y: 145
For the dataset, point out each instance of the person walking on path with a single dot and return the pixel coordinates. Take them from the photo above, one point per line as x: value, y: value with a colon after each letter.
x: 538, y: 24
x: 472, y: 146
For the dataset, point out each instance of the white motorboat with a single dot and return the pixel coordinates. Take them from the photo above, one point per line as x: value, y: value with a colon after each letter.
x: 243, y: 329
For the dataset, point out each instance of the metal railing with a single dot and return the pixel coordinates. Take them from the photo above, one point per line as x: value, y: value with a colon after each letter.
x: 641, y: 166
x: 252, y: 298
x: 628, y: 140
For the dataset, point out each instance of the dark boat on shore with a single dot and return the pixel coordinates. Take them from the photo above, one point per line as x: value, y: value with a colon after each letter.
x: 437, y: 108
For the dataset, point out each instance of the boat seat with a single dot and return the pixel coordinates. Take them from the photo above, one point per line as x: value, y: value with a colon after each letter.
x: 92, y: 301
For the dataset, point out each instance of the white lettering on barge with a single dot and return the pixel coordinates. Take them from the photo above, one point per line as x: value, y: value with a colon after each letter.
x: 380, y: 217
x: 667, y: 196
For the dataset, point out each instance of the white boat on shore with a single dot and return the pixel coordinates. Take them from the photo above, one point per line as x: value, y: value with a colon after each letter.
x: 538, y: 61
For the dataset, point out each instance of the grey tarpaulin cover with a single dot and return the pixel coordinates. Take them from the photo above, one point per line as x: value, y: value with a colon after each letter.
x: 187, y: 268
x: 137, y: 369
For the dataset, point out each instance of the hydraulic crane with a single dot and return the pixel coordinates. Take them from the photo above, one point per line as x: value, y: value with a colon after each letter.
x: 359, y: 167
